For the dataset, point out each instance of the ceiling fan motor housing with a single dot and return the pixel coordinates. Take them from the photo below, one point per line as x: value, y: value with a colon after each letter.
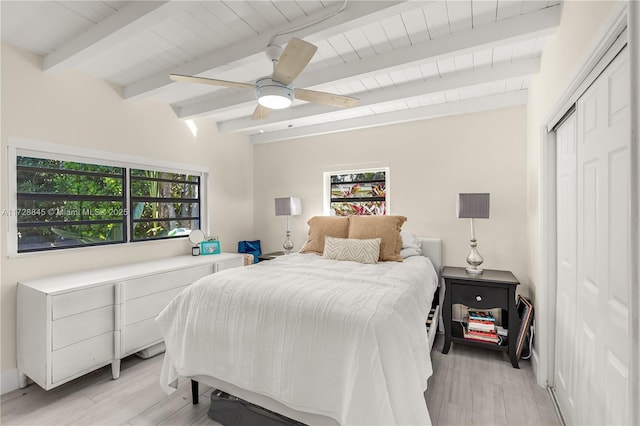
x: 273, y: 52
x: 273, y: 95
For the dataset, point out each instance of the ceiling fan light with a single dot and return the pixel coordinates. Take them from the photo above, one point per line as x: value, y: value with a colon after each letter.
x: 273, y: 95
x: 274, y: 101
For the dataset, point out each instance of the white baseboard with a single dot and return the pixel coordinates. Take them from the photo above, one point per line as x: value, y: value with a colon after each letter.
x: 535, y: 364
x: 9, y: 381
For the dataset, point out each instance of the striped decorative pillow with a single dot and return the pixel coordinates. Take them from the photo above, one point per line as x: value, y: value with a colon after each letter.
x: 363, y: 251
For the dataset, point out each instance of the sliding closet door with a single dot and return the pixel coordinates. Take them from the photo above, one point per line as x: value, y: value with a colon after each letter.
x: 565, y: 373
x: 603, y: 384
x: 593, y: 333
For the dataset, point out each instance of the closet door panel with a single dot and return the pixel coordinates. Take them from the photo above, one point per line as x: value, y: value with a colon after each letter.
x: 604, y: 264
x: 565, y: 367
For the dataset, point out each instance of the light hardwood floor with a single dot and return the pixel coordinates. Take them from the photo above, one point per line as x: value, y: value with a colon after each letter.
x: 470, y: 386
x: 474, y: 386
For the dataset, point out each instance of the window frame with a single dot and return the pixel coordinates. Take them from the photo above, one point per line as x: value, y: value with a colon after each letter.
x: 17, y: 147
x: 327, y: 185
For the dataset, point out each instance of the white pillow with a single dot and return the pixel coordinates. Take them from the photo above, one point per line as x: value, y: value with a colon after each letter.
x: 410, y: 245
x: 363, y: 251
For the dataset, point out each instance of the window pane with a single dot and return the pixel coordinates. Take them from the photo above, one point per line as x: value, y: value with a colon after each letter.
x: 159, y: 210
x: 43, y: 163
x: 358, y: 208
x: 163, y: 229
x: 54, y: 182
x: 161, y: 189
x: 32, y: 238
x: 357, y: 190
x: 154, y: 174
x: 358, y: 177
x: 69, y: 211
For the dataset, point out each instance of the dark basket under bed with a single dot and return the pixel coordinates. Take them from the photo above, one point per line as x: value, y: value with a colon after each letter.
x: 231, y: 411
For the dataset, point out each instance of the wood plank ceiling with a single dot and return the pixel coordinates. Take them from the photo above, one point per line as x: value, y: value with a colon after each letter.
x: 404, y: 60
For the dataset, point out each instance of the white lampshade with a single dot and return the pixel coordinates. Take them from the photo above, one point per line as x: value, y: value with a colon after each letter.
x: 288, y: 206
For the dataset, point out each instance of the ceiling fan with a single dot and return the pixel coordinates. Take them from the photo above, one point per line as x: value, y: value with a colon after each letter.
x: 276, y: 91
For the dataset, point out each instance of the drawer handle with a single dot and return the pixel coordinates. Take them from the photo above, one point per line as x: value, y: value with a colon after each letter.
x: 478, y: 298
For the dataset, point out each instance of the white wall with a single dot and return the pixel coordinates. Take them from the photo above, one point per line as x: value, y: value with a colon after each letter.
x: 564, y: 52
x: 431, y: 161
x: 79, y: 110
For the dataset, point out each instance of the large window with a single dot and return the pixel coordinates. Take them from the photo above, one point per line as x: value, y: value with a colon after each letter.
x: 358, y: 192
x: 60, y: 199
x: 163, y: 204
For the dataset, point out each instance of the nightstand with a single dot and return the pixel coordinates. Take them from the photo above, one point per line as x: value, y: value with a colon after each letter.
x: 491, y: 289
x: 270, y: 256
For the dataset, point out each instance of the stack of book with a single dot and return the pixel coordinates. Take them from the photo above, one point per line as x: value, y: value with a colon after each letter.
x: 481, y: 326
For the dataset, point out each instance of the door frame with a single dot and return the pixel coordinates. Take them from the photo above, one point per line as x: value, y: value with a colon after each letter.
x: 625, y: 15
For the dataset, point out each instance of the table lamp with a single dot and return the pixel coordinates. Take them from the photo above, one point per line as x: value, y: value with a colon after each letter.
x: 473, y: 206
x: 288, y: 206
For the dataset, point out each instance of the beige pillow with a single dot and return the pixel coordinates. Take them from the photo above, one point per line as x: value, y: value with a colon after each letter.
x: 385, y: 227
x: 363, y: 251
x: 321, y: 226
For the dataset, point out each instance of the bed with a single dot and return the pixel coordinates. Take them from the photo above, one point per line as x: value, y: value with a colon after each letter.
x: 321, y: 341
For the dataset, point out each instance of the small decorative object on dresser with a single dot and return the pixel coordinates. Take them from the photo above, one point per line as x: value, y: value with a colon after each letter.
x: 473, y: 206
x: 196, y: 236
x: 479, y: 293
x: 210, y: 247
x: 288, y: 206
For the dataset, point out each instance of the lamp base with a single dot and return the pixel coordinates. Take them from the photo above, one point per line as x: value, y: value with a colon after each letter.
x: 473, y: 270
x: 474, y: 259
x: 288, y: 244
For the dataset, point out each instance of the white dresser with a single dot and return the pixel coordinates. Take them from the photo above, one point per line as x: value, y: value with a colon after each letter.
x: 69, y: 325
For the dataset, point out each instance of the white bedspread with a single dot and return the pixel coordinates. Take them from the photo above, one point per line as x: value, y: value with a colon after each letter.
x: 340, y: 339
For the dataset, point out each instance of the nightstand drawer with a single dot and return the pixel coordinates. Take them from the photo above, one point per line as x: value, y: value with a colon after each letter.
x: 480, y: 297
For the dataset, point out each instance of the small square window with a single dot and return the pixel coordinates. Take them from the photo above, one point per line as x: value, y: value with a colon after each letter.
x: 358, y: 192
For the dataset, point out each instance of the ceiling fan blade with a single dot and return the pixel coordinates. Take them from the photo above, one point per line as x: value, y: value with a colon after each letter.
x: 212, y: 81
x: 260, y: 113
x: 293, y: 59
x: 325, y: 98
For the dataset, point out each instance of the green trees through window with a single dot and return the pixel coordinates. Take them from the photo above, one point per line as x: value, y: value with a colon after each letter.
x: 67, y: 204
x: 63, y: 204
x: 163, y: 204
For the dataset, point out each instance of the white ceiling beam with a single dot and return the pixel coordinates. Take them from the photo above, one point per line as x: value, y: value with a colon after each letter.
x: 135, y: 17
x: 357, y: 13
x: 485, y: 103
x: 431, y: 86
x: 501, y: 33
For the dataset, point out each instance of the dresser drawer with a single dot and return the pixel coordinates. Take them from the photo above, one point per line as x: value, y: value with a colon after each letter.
x: 231, y: 263
x: 75, y: 302
x: 76, y: 328
x: 480, y: 297
x: 140, y: 335
x: 84, y: 356
x: 143, y: 308
x: 164, y: 281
